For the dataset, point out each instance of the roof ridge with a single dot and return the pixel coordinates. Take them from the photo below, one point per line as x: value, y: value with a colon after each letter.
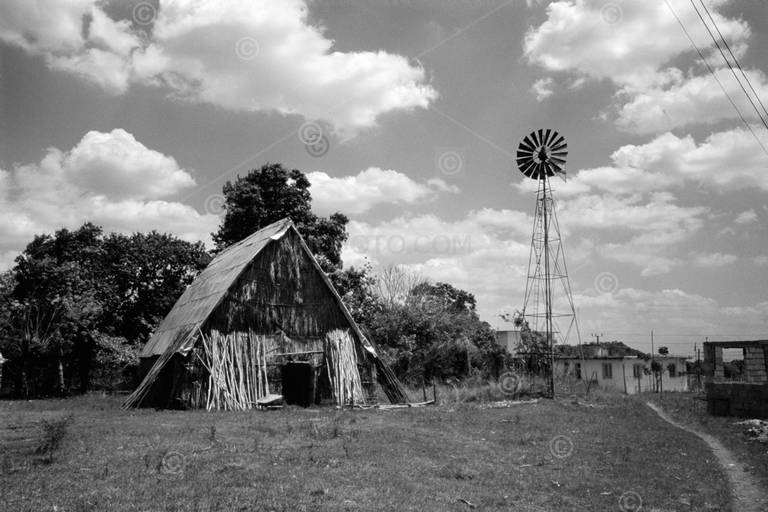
x: 253, y: 236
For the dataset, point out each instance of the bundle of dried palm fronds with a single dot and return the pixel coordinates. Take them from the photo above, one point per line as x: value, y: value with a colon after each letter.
x: 341, y: 362
x: 237, y: 370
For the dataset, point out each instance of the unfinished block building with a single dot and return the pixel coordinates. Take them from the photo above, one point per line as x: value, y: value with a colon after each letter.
x: 747, y: 397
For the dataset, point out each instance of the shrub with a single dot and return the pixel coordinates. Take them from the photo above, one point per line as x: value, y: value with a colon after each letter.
x: 52, y: 437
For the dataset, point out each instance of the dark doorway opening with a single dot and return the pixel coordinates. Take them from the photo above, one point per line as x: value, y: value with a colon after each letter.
x: 298, y: 381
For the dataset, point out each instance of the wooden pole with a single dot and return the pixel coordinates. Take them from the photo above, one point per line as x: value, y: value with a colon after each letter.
x: 624, y: 375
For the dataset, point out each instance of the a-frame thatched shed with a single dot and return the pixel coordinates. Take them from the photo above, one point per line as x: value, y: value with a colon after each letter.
x: 262, y: 318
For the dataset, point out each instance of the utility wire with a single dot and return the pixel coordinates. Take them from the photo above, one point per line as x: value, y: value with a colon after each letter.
x: 728, y: 47
x: 712, y: 72
x: 730, y: 66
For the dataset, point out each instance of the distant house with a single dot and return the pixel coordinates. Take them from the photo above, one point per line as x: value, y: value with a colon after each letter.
x: 617, y: 366
x: 509, y: 340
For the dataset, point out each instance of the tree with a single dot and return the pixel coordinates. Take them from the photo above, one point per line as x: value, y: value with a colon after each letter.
x: 67, y: 269
x: 394, y: 284
x: 270, y: 193
x: 435, y: 333
x: 356, y: 287
x: 533, y: 348
x: 104, y: 292
x: 148, y: 272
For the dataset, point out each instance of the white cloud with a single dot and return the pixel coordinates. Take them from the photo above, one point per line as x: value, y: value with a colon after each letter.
x: 110, y: 179
x: 656, y: 214
x: 761, y: 261
x: 245, y: 56
x: 56, y: 31
x: 713, y: 260
x: 724, y: 161
x: 746, y: 217
x: 117, y: 165
x: 643, y: 232
x: 579, y: 35
x: 485, y: 252
x: 369, y: 188
x: 696, y: 99
x: 542, y: 88
x: 610, y: 41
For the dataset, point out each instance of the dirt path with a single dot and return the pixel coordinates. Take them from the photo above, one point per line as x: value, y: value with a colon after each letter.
x: 748, y: 496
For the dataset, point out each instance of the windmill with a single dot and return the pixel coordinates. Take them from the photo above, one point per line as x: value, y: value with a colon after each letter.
x: 540, y: 156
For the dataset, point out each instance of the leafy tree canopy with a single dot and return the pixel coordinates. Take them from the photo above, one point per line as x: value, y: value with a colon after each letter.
x: 270, y: 193
x: 83, y: 286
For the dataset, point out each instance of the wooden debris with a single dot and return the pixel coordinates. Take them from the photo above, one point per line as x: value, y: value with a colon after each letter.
x: 467, y: 502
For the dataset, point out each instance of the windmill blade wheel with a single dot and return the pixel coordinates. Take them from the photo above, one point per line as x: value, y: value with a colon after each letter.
x: 541, y: 154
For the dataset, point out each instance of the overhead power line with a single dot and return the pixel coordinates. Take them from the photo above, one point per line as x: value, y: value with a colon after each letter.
x: 712, y: 72
x: 735, y: 59
x: 728, y: 62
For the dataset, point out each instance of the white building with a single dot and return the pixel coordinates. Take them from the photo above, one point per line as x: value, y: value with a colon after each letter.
x: 628, y: 374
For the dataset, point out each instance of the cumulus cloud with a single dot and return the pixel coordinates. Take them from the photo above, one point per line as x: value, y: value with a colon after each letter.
x: 746, y: 217
x: 727, y: 160
x: 245, y: 56
x: 603, y: 41
x: 581, y: 35
x: 542, y: 88
x: 713, y: 260
x: 724, y: 161
x: 630, y: 311
x: 369, y: 188
x: 110, y: 179
x: 117, y: 165
x: 485, y: 252
x: 695, y: 99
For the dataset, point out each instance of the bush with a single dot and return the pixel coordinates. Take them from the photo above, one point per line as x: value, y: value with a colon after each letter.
x: 52, y: 438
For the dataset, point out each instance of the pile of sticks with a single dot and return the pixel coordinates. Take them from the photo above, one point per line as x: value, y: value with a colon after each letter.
x: 237, y: 370
x: 341, y: 362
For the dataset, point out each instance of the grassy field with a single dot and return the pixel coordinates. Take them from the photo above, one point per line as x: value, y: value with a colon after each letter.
x: 544, y: 456
x: 689, y: 409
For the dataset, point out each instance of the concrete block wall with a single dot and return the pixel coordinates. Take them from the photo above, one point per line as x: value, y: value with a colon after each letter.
x: 743, y: 400
x: 754, y: 364
x: 713, y: 363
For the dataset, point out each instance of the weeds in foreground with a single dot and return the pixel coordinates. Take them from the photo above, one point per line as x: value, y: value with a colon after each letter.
x: 52, y: 437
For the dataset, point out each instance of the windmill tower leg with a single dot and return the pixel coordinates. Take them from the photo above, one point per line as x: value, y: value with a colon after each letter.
x: 548, y: 287
x: 547, y: 268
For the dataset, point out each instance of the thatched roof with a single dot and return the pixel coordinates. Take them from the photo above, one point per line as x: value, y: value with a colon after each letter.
x: 201, y: 297
x: 179, y: 330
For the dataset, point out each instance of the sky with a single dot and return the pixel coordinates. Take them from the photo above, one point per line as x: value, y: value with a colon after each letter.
x: 406, y: 116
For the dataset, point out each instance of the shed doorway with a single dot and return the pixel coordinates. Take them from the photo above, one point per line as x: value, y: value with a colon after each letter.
x: 298, y: 382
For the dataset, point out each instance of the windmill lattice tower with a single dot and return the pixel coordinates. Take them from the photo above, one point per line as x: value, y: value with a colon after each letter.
x: 540, y: 156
